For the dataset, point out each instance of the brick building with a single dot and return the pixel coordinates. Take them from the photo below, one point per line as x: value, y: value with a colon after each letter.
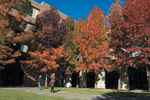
x: 136, y: 78
x: 16, y: 74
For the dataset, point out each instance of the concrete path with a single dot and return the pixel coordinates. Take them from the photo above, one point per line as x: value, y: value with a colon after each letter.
x: 75, y: 95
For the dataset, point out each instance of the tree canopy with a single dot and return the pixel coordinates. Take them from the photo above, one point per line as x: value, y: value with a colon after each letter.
x: 92, y: 41
x: 12, y: 28
x: 50, y: 28
x: 130, y: 33
x: 49, y: 31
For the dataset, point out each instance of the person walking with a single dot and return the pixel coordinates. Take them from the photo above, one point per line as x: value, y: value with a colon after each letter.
x: 40, y: 81
x: 52, y: 84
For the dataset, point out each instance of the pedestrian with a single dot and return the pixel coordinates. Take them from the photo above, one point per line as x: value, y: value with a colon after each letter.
x: 52, y: 84
x: 52, y: 75
x: 40, y: 81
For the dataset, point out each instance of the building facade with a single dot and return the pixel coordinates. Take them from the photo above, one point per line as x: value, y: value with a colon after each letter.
x: 133, y: 78
x: 16, y: 74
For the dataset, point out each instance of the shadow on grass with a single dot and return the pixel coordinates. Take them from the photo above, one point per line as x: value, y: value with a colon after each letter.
x: 127, y: 94
x: 123, y: 96
x: 119, y: 98
x: 56, y: 90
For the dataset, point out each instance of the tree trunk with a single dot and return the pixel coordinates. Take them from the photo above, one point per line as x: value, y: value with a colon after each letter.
x: 77, y: 86
x: 83, y: 82
x: 46, y: 80
x: 123, y: 80
x: 119, y: 83
x: 148, y: 76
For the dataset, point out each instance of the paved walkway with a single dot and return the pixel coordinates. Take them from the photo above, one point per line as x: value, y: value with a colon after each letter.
x: 75, y: 95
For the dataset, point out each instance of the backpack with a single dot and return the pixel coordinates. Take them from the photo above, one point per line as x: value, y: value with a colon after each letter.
x: 50, y: 83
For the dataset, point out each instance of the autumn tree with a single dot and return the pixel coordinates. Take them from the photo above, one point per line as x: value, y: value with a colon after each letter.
x: 68, y: 41
x: 49, y: 32
x: 70, y: 23
x: 50, y: 28
x: 116, y: 42
x: 12, y: 28
x: 136, y: 30
x: 92, y: 42
x: 70, y: 44
x: 130, y: 34
x: 115, y: 19
x: 46, y: 59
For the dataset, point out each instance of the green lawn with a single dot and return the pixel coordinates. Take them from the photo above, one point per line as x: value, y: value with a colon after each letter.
x: 101, y: 92
x: 10, y: 94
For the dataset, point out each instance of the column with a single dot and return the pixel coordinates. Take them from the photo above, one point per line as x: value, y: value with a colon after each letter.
x: 82, y: 76
x: 148, y: 77
x: 100, y: 80
x: 68, y: 80
x: 123, y: 80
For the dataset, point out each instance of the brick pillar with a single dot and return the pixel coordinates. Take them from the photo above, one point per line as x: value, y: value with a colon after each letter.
x: 148, y: 77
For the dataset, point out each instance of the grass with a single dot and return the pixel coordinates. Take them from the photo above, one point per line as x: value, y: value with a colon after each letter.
x: 11, y: 94
x: 102, y: 92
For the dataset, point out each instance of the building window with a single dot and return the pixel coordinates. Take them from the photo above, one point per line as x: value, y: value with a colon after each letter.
x: 34, y: 12
x: 27, y: 26
x: 30, y: 14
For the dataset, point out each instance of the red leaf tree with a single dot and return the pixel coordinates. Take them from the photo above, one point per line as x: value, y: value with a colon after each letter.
x: 92, y: 42
x: 51, y: 28
x: 49, y: 32
x: 136, y: 28
x: 116, y: 34
x: 130, y: 35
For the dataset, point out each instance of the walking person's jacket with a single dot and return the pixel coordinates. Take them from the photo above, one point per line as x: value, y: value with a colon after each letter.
x: 40, y: 80
x: 53, y: 81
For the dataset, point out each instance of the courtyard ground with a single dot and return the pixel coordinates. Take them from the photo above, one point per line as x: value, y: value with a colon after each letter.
x: 58, y: 92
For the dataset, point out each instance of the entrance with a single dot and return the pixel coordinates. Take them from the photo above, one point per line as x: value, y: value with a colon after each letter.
x: 111, y: 80
x: 75, y: 79
x: 138, y: 78
x: 90, y: 80
x: 12, y: 75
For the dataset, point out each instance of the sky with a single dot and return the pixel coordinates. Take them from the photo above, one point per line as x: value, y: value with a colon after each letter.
x: 79, y: 8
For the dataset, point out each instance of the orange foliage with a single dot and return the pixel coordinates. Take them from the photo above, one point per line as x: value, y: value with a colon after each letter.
x: 46, y: 58
x: 92, y: 43
x: 9, y: 26
x: 16, y: 54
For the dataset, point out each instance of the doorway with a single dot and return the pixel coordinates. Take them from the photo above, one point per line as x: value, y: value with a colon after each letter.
x: 12, y: 75
x: 75, y: 79
x: 90, y: 80
x: 138, y: 78
x: 111, y: 80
